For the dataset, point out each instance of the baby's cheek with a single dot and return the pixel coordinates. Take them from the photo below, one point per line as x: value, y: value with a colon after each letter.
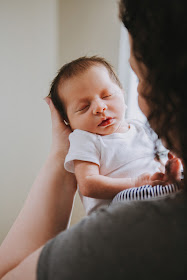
x: 121, y: 107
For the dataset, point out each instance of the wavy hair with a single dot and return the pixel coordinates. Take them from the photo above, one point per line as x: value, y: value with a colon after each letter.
x: 158, y: 29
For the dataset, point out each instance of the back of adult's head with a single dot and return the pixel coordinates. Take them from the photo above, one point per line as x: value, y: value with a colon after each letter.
x: 158, y: 29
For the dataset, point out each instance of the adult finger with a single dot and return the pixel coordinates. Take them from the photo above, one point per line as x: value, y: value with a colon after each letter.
x: 55, y: 115
x: 170, y: 155
x: 173, y: 169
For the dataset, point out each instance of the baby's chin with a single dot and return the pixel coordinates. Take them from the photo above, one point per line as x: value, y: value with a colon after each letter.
x: 121, y: 127
x: 116, y: 127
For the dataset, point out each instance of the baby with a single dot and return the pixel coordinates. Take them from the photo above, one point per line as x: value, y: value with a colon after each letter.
x: 107, y: 153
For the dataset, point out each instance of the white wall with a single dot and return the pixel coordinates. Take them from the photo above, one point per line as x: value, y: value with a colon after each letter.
x: 88, y: 27
x: 37, y: 37
x: 28, y: 60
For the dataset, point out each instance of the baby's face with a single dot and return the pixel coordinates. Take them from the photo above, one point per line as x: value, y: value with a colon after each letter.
x: 93, y: 102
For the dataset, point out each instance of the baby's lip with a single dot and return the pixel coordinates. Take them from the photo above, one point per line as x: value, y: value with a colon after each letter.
x: 104, y: 120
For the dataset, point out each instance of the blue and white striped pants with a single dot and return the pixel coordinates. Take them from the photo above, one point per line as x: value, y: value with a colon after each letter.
x: 145, y: 192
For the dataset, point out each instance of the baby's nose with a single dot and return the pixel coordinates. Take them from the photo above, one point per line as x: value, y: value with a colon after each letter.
x: 99, y: 107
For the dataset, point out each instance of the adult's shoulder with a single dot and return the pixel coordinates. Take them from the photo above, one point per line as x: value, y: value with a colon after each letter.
x: 129, y: 239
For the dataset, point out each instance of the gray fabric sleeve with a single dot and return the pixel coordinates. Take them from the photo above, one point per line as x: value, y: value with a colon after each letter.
x: 73, y: 254
x: 140, y: 239
x: 68, y: 255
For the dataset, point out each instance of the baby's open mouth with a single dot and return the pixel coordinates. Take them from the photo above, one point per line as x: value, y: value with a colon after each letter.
x: 106, y: 122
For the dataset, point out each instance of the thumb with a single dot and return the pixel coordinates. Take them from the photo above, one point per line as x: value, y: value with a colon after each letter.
x: 170, y: 155
x: 173, y: 169
x: 55, y: 116
x: 47, y: 100
x: 50, y: 103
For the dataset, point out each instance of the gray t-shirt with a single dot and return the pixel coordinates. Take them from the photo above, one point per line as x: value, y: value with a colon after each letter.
x: 128, y: 240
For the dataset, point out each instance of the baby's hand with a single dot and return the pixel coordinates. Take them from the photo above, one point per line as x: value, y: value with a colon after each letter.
x: 148, y: 179
x: 157, y: 178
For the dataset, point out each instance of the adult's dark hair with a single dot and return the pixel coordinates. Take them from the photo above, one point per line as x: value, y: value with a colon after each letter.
x: 158, y: 29
x: 72, y: 69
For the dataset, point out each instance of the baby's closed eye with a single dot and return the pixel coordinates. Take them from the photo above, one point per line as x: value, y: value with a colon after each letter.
x: 106, y: 96
x: 83, y: 107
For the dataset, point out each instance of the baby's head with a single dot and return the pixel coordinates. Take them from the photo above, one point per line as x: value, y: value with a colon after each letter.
x: 89, y: 95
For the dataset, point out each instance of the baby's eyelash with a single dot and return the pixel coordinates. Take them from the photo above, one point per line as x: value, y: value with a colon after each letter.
x: 83, y: 108
x: 107, y: 95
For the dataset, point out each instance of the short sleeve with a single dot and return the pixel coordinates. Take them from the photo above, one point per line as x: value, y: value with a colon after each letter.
x: 83, y: 146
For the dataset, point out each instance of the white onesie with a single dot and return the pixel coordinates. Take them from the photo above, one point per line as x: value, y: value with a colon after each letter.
x: 119, y: 155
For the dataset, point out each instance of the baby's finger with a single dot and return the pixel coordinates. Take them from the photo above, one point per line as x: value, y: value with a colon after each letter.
x: 157, y: 176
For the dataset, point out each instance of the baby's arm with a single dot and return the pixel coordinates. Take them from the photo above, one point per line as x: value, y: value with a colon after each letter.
x: 94, y: 185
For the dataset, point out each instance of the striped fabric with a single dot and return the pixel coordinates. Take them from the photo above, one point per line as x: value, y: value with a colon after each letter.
x: 145, y: 192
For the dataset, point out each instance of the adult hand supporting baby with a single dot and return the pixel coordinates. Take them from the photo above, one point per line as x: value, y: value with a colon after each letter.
x: 60, y: 131
x: 171, y: 175
x: 172, y: 172
x: 172, y: 169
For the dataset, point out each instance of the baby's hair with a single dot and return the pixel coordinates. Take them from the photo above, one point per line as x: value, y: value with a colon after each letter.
x: 72, y: 69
